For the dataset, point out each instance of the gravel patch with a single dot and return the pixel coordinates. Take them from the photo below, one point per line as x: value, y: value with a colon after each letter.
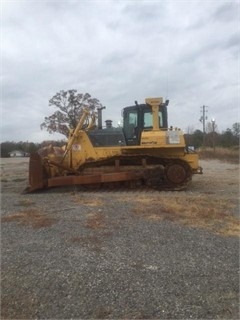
x: 73, y: 254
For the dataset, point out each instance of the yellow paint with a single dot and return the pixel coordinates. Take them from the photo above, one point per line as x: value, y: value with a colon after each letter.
x: 157, y: 142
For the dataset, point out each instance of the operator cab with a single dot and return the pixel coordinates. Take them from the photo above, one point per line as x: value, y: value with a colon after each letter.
x: 143, y: 117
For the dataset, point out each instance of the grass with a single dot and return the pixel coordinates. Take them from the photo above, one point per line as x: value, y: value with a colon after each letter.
x: 224, y: 154
x: 200, y: 212
x: 31, y: 217
x: 25, y: 203
x: 88, y: 202
x: 95, y: 221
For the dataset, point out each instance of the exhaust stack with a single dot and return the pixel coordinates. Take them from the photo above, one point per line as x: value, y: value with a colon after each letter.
x: 99, y: 110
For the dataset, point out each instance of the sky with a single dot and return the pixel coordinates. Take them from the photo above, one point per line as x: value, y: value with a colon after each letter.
x: 118, y: 52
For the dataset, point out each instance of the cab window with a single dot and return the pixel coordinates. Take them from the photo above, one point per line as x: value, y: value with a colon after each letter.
x: 132, y: 118
x: 148, y: 120
x: 160, y: 117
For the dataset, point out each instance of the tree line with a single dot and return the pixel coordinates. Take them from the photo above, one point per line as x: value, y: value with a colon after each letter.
x: 197, y: 139
x: 212, y: 138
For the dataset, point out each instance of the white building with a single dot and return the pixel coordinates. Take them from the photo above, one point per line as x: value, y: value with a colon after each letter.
x: 16, y: 153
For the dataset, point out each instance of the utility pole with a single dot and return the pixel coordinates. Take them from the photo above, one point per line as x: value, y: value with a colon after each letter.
x: 203, y: 119
x: 213, y: 134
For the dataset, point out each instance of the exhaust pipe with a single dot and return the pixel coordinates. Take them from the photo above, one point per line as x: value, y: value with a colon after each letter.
x: 99, y: 110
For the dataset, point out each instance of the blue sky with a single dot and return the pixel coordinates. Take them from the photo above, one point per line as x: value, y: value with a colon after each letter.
x: 119, y: 52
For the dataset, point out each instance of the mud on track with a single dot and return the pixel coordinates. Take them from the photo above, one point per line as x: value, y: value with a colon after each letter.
x: 69, y: 253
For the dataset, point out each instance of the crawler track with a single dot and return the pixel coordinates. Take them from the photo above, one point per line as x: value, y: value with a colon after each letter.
x: 126, y: 172
x: 155, y: 173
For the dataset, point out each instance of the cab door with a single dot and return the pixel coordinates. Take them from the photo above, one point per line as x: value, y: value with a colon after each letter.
x: 131, y: 125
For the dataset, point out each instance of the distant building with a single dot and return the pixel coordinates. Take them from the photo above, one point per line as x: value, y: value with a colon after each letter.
x: 16, y: 153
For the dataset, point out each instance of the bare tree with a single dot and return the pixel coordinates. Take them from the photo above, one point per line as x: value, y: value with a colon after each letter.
x: 236, y: 129
x: 211, y: 126
x: 70, y: 105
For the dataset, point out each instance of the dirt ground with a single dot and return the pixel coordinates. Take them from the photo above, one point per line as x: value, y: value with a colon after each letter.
x: 70, y: 253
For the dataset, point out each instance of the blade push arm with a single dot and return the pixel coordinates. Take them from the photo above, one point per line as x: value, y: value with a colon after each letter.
x: 75, y: 132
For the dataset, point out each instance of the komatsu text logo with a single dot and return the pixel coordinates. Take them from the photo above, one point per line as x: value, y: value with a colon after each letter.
x: 149, y: 142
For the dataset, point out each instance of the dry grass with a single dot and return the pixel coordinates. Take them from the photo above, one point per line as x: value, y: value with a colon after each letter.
x: 24, y: 203
x: 224, y: 154
x: 95, y: 221
x: 91, y: 242
x: 88, y: 202
x: 33, y: 218
x: 102, y: 313
x: 200, y: 212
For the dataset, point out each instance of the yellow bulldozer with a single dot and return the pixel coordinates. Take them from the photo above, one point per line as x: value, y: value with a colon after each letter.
x: 143, y: 152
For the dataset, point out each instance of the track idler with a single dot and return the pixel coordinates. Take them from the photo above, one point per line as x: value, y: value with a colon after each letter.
x: 177, y: 174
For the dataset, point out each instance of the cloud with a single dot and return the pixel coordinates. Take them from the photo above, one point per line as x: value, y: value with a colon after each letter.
x: 119, y: 52
x: 226, y: 12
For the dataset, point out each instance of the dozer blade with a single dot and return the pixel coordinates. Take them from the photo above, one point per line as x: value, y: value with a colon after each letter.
x: 37, y: 174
